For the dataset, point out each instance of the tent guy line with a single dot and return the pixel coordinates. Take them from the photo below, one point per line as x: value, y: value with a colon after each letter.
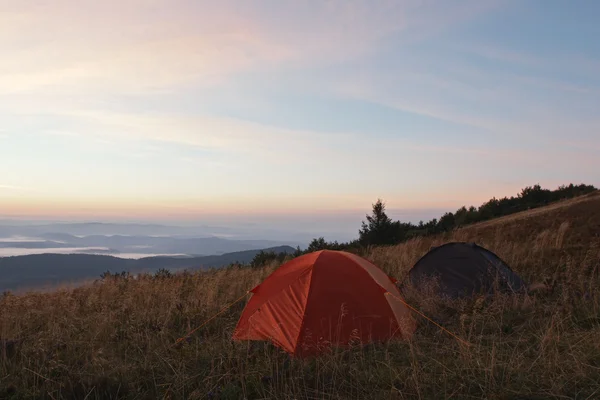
x: 431, y: 320
x: 181, y: 339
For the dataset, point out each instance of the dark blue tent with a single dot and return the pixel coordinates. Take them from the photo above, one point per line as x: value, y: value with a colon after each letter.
x: 463, y: 269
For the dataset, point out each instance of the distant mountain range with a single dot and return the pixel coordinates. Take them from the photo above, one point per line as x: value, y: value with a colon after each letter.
x: 112, y: 238
x: 34, y: 271
x: 142, y: 244
x: 240, y: 231
x: 49, y: 254
x: 24, y: 228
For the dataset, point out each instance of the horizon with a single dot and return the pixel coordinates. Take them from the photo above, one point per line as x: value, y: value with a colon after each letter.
x: 339, y: 225
x: 292, y: 117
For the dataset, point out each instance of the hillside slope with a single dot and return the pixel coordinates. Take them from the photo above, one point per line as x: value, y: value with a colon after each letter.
x: 48, y: 270
x: 115, y: 339
x: 535, y: 243
x: 581, y: 213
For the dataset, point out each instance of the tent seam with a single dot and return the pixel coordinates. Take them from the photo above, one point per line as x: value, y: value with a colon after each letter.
x: 481, y: 250
x: 266, y: 301
x: 277, y: 293
x: 507, y: 279
x: 303, y: 320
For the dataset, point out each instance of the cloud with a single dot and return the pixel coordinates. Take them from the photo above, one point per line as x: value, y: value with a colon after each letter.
x: 500, y: 104
x: 14, y: 188
x: 125, y: 47
x: 562, y: 60
x: 58, y: 64
x: 221, y: 135
x: 157, y: 91
x: 143, y: 67
x: 68, y: 60
x: 156, y: 45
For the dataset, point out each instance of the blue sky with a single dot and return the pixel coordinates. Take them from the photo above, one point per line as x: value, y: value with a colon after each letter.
x: 178, y: 110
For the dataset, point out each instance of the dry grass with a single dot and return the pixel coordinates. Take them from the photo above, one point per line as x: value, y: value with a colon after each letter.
x: 116, y: 339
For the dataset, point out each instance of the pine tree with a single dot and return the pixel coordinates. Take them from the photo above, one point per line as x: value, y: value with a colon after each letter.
x: 379, y: 228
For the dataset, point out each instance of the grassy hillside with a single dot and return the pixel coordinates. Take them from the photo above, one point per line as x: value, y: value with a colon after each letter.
x: 46, y: 271
x: 116, y: 339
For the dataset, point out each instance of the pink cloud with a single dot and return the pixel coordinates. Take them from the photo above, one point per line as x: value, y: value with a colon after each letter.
x: 148, y: 45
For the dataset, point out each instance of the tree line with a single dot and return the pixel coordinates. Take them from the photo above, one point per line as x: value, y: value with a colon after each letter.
x: 380, y: 230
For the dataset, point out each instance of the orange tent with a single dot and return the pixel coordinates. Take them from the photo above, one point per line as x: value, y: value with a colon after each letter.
x: 324, y: 298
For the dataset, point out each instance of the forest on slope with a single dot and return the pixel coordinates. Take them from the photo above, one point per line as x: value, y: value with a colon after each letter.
x: 380, y: 230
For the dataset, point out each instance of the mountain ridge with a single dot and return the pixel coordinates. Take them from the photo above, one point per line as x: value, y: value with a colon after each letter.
x: 199, y: 245
x: 18, y: 273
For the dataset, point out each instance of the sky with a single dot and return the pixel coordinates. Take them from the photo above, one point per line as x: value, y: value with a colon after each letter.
x: 181, y: 110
